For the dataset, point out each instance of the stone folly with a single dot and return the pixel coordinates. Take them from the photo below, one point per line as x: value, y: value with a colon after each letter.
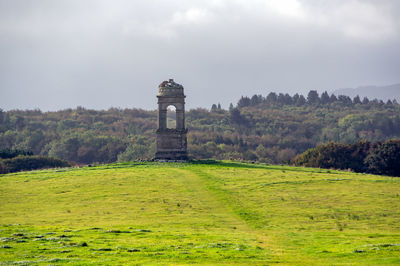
x: 171, y: 142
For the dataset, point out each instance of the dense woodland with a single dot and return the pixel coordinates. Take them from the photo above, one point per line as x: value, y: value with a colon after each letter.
x: 273, y: 129
x: 381, y: 158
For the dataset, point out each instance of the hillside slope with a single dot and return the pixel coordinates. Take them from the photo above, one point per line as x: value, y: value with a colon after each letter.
x: 379, y: 92
x: 216, y: 213
x: 271, y: 129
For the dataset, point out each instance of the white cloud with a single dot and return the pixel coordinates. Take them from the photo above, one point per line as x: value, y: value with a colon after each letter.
x: 169, y: 27
x: 363, y: 20
x: 354, y: 19
x: 288, y: 8
x: 194, y: 15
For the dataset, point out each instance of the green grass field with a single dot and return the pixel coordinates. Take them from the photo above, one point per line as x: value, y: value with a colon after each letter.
x: 211, y: 213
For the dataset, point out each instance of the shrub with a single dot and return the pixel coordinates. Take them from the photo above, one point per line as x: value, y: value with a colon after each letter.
x: 331, y: 155
x: 3, y: 168
x: 26, y: 163
x: 363, y: 156
x: 385, y: 159
x: 11, y: 153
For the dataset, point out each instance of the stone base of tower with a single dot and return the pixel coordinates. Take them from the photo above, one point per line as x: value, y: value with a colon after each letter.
x: 171, y: 156
x: 171, y: 145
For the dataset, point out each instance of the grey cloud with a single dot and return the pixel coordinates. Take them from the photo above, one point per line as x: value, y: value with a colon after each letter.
x: 98, y: 54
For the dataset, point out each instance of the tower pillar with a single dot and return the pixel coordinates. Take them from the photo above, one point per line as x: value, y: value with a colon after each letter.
x: 171, y: 142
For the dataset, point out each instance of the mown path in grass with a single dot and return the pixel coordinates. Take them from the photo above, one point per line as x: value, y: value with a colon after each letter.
x: 208, y: 192
x: 218, y: 213
x: 314, y: 216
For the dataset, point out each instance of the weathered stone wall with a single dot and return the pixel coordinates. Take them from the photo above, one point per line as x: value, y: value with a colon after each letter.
x: 163, y: 103
x: 171, y: 143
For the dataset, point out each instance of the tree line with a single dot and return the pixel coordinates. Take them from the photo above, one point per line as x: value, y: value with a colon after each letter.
x: 271, y: 129
x: 313, y: 98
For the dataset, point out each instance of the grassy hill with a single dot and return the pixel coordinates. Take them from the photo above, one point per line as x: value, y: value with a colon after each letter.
x: 211, y: 213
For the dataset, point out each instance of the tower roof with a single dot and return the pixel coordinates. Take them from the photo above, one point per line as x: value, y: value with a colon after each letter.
x: 170, y: 88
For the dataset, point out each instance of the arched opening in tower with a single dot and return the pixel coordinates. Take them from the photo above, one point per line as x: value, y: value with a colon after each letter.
x: 171, y: 117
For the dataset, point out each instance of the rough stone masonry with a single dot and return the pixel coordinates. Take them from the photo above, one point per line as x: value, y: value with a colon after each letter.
x: 171, y: 142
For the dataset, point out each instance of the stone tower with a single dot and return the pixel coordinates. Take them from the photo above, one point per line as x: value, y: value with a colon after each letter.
x: 171, y: 142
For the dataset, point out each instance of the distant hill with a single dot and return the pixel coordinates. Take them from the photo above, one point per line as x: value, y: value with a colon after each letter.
x: 379, y: 92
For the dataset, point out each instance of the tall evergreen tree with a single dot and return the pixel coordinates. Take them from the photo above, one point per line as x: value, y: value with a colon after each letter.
x: 325, y: 97
x: 357, y: 100
x: 313, y: 97
x: 301, y: 101
x: 244, y: 102
x: 271, y: 98
x: 295, y: 98
x: 333, y: 98
x: 255, y: 100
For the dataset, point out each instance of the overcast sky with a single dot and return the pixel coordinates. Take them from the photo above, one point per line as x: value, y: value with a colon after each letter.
x: 100, y: 54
